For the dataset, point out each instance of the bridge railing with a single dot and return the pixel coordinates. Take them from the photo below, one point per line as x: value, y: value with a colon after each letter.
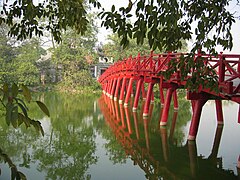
x: 226, y: 66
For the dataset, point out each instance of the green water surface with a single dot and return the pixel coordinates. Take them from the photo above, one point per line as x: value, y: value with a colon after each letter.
x: 92, y: 137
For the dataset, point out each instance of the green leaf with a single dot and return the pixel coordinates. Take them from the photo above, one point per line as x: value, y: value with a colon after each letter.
x: 14, y: 90
x: 43, y: 107
x: 113, y: 8
x: 24, y: 110
x: 20, y: 119
x: 9, y: 108
x: 14, y: 119
x: 37, y: 126
x: 129, y: 15
x: 26, y: 120
x: 26, y: 93
x: 5, y: 89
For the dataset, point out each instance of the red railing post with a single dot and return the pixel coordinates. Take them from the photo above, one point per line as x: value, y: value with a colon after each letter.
x: 221, y: 70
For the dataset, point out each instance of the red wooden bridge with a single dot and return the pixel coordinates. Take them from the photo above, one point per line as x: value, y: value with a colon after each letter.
x: 130, y: 76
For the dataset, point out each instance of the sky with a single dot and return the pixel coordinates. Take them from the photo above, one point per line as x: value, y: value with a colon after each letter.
x: 103, y: 33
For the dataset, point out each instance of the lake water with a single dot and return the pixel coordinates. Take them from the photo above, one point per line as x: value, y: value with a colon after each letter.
x: 91, y: 137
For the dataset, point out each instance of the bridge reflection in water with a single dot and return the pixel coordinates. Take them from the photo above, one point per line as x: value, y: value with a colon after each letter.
x: 155, y: 149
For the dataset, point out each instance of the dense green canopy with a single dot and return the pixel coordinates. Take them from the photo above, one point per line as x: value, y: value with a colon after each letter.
x: 163, y: 23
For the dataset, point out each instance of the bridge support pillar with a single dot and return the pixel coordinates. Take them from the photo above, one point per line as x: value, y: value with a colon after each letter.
x: 197, y: 110
x: 219, y: 111
x: 148, y: 100
x: 113, y: 88
x: 175, y: 99
x: 161, y: 94
x: 109, y: 87
x: 129, y: 92
x: 143, y: 92
x: 106, y: 88
x: 117, y: 89
x: 152, y: 98
x: 122, y: 90
x: 166, y: 106
x: 137, y: 95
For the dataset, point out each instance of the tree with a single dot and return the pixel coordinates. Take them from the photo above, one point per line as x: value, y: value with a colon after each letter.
x: 57, y: 13
x: 74, y: 54
x: 17, y: 66
x: 26, y: 69
x: 114, y: 49
x: 162, y: 23
x: 165, y: 23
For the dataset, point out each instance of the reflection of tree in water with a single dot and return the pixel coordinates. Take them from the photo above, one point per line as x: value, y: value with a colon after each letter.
x: 114, y: 150
x: 68, y: 147
x: 72, y: 141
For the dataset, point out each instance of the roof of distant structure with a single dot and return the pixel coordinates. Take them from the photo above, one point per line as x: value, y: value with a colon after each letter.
x: 45, y: 58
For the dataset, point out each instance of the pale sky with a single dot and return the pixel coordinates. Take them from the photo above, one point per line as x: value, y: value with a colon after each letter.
x: 235, y: 27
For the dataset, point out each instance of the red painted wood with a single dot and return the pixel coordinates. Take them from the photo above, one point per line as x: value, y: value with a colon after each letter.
x: 137, y: 95
x: 149, y: 69
x: 219, y: 111
x: 129, y: 91
x: 148, y: 99
x: 175, y: 100
x: 166, y: 107
x: 122, y: 90
x: 196, y: 118
x: 117, y: 88
x: 113, y: 88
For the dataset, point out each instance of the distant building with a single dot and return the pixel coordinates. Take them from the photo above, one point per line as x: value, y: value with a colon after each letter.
x: 48, y: 72
x: 103, y: 63
x: 99, y: 68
